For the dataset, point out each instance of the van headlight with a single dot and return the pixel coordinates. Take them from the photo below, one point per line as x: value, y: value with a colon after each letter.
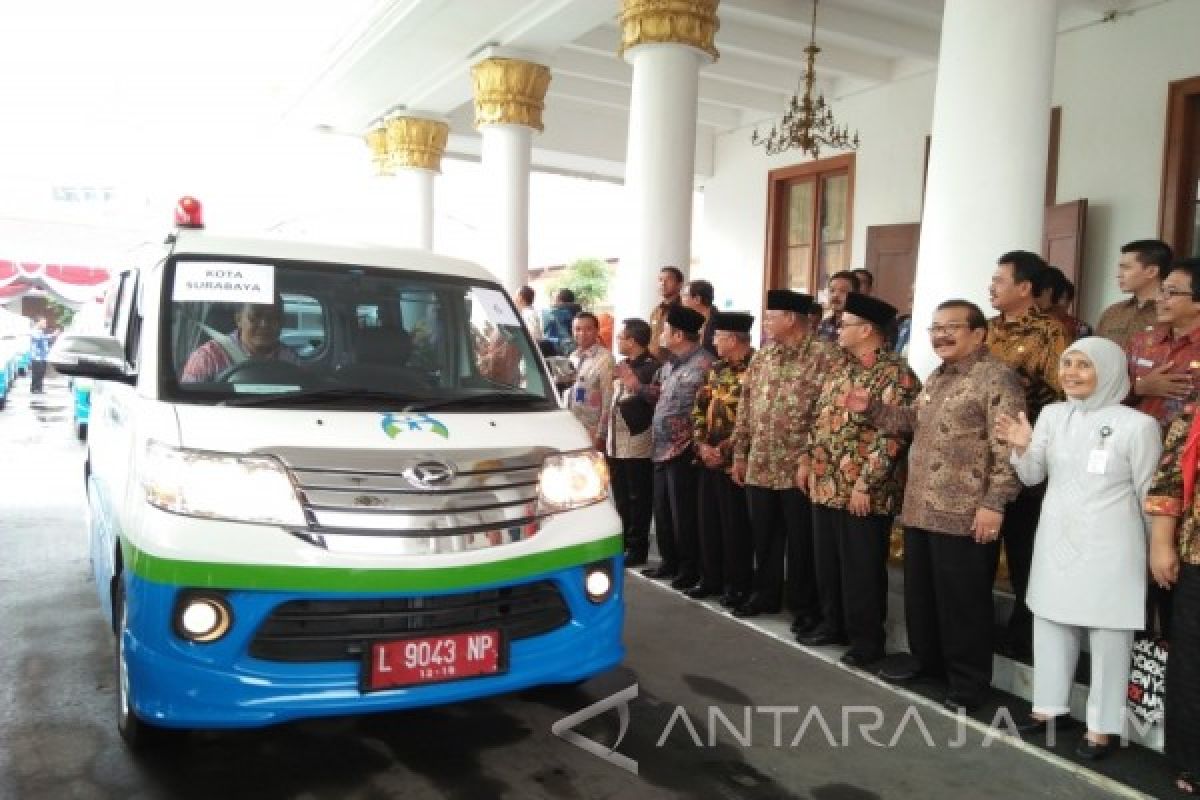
x: 219, y: 486
x: 572, y: 480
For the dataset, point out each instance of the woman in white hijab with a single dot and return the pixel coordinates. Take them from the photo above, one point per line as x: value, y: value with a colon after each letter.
x: 1089, y: 557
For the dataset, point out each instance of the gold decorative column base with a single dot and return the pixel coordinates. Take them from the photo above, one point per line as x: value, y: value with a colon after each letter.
x: 509, y: 91
x: 690, y: 22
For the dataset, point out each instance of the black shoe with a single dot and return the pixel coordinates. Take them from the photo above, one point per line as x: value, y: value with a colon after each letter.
x: 684, y: 582
x: 699, y: 592
x: 753, y: 607
x: 822, y: 637
x: 1033, y: 726
x: 663, y: 572
x: 901, y: 668
x: 733, y: 599
x: 859, y: 661
x: 957, y: 703
x: 804, y: 625
x: 1091, y: 751
x: 635, y: 558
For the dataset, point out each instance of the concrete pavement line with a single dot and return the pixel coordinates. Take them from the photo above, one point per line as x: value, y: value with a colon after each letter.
x: 997, y: 734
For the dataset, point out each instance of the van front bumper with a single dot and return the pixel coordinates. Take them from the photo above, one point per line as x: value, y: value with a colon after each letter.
x: 180, y: 684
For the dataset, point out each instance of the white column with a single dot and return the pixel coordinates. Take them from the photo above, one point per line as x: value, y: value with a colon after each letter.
x: 985, y: 189
x: 416, y: 193
x: 510, y: 95
x: 659, y: 171
x: 506, y: 153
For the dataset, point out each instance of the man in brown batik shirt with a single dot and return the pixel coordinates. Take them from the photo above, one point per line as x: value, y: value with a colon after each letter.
x: 959, y: 483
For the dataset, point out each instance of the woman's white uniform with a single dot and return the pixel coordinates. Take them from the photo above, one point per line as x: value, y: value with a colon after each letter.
x: 1089, y: 558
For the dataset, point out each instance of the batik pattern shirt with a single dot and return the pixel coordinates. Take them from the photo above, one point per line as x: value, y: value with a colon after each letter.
x: 593, y: 382
x: 715, y: 412
x: 1122, y: 320
x: 955, y: 465
x: 1031, y: 344
x: 1153, y: 348
x: 214, y: 357
x: 673, y: 397
x: 779, y: 394
x: 1165, y: 498
x: 845, y: 452
x: 619, y: 441
x: 827, y: 328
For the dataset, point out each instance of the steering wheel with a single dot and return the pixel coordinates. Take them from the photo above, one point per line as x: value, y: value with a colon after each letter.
x: 263, y: 370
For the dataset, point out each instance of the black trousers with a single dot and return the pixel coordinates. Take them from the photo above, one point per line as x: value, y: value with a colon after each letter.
x: 675, y: 514
x: 851, y: 560
x: 948, y: 607
x: 37, y: 371
x: 1181, y: 733
x: 782, y: 523
x: 633, y: 494
x: 1017, y: 533
x: 726, y: 540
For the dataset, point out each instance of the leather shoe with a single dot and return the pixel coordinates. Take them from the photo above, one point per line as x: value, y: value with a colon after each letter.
x: 733, y: 599
x: 858, y: 660
x: 901, y: 668
x: 663, y: 572
x: 1091, y: 751
x: 820, y: 638
x: 699, y: 592
x: 958, y: 703
x: 634, y: 558
x: 1032, y: 726
x: 685, y: 582
x: 752, y: 608
x: 804, y: 625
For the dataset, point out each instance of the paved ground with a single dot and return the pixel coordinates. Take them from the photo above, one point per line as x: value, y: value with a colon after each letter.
x: 58, y: 740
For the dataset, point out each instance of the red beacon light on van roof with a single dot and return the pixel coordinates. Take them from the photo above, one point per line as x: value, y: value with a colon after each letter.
x: 189, y: 213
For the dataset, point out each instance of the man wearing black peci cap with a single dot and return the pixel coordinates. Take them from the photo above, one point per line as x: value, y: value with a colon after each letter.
x: 779, y: 392
x: 726, y: 548
x: 673, y: 395
x: 854, y: 476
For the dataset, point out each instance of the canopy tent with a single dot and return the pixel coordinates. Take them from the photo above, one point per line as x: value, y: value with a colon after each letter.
x: 70, y: 284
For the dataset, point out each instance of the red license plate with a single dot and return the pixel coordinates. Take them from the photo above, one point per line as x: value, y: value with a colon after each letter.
x: 431, y: 659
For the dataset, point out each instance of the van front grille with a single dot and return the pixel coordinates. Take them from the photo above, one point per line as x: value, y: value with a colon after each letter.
x: 339, y: 630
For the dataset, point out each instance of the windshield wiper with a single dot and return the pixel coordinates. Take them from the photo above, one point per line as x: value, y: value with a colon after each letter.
x: 489, y: 399
x: 319, y: 396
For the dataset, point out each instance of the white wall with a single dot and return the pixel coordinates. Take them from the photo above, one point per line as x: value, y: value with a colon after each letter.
x: 1111, y: 81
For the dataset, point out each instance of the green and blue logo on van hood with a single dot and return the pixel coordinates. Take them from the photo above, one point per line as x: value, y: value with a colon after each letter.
x: 394, y: 425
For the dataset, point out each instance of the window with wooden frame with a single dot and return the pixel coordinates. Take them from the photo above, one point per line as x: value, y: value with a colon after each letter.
x: 808, y: 223
x: 1179, y: 210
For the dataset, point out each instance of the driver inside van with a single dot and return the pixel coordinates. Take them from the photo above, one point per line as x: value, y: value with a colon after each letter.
x: 256, y: 337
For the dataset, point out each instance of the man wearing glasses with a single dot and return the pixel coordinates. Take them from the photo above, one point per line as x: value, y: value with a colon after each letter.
x: 1165, y: 360
x: 959, y: 483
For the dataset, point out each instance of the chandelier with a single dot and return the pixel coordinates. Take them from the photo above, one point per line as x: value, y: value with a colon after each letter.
x: 807, y: 124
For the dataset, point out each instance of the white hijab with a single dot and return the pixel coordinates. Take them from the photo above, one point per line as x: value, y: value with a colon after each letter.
x: 1112, y: 373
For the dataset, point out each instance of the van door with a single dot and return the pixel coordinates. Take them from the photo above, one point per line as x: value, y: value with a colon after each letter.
x: 110, y: 430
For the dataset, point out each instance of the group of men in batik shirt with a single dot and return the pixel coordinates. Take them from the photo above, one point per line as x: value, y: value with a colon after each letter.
x: 774, y: 476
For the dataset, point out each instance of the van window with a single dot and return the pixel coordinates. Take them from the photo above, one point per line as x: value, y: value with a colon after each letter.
x: 308, y: 335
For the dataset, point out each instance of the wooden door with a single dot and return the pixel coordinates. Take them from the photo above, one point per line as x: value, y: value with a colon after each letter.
x: 1062, y: 240
x: 892, y: 260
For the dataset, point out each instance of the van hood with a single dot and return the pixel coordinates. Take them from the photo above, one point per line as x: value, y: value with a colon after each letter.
x: 245, y: 430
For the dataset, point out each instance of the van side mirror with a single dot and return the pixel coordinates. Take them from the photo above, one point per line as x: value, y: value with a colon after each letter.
x: 89, y: 356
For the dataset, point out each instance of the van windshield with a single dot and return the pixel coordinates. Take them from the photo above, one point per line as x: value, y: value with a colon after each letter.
x: 290, y: 335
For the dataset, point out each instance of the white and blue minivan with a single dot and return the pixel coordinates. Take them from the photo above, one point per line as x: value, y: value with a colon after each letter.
x: 330, y: 480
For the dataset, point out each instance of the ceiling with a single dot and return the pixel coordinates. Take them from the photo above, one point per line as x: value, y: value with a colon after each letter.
x: 418, y: 53
x: 136, y: 84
